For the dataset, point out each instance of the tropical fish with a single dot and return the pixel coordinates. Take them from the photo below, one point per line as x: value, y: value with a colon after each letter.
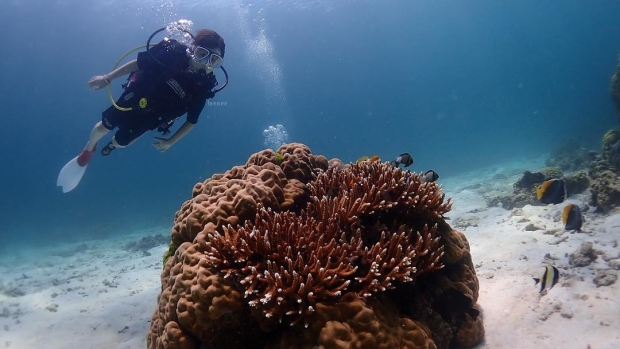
x: 405, y: 159
x: 552, y: 191
x: 572, y: 218
x: 374, y: 158
x: 430, y: 176
x: 549, y: 278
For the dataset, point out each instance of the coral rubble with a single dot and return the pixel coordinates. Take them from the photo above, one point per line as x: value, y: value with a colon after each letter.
x: 299, y: 252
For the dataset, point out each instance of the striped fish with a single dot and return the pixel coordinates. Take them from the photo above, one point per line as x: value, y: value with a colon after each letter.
x: 549, y: 278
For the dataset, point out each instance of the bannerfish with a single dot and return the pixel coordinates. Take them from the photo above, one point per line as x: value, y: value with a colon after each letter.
x: 552, y: 191
x: 572, y: 218
x: 405, y: 159
x: 430, y: 176
x: 549, y: 278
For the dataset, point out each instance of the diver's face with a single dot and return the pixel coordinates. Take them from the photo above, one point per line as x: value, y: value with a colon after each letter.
x: 206, y: 58
x: 198, y: 66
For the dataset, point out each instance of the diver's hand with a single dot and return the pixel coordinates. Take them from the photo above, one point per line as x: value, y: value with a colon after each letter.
x: 98, y: 82
x: 161, y: 144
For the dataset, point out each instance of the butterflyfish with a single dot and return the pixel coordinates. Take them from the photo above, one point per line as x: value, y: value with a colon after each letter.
x: 572, y: 218
x: 552, y: 191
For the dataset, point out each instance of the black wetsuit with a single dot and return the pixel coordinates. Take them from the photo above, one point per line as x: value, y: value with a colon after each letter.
x: 160, y: 91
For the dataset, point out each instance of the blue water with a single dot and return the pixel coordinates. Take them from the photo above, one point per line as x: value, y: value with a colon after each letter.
x: 458, y: 84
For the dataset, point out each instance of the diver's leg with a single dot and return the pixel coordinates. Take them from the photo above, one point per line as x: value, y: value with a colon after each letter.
x: 117, y: 145
x: 123, y: 138
x: 95, y: 135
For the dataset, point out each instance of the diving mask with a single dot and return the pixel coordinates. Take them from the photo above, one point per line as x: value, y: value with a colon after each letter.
x: 206, y: 57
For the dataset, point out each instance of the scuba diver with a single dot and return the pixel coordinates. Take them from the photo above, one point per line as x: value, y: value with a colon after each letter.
x: 166, y: 81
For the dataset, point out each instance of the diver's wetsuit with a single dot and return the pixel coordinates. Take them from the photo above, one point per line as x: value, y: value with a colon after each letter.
x: 161, y: 90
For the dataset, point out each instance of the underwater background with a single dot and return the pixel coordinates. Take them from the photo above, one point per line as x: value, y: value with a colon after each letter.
x: 458, y: 84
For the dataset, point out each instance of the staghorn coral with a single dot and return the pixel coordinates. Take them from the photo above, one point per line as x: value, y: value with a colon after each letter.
x: 288, y: 262
x: 282, y: 272
x: 320, y: 266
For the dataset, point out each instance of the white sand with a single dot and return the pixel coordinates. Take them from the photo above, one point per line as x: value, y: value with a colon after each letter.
x: 80, y: 301
x: 86, y: 300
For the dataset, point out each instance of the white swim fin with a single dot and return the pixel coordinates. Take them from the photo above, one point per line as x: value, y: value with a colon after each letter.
x: 70, y: 175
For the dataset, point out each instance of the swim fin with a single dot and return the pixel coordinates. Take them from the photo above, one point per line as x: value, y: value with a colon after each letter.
x: 72, y: 173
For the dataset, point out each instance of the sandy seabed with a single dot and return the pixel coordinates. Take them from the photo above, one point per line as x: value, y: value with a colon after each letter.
x: 95, y: 294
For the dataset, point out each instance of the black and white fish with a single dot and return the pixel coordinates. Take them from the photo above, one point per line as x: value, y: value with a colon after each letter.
x: 405, y: 159
x: 430, y: 176
x: 549, y: 278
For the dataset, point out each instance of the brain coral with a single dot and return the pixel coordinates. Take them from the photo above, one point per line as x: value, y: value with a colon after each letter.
x: 299, y: 252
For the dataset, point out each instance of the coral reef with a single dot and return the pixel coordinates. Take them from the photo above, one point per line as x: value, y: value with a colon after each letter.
x: 279, y: 158
x: 146, y: 243
x: 605, y: 191
x: 528, y: 181
x: 577, y: 183
x: 524, y: 189
x: 614, y: 89
x: 609, y: 159
x: 311, y: 253
x: 610, y: 139
x: 598, y: 166
x: 569, y: 155
x: 551, y: 173
x: 524, y: 192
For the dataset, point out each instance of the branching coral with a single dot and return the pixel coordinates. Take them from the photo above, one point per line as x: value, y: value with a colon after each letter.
x: 287, y: 262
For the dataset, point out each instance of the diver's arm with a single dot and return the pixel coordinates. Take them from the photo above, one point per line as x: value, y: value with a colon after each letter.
x: 162, y: 144
x: 100, y: 81
x: 125, y: 69
x: 181, y: 132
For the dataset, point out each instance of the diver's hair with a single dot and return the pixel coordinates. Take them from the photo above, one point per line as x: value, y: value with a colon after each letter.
x: 209, y: 39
